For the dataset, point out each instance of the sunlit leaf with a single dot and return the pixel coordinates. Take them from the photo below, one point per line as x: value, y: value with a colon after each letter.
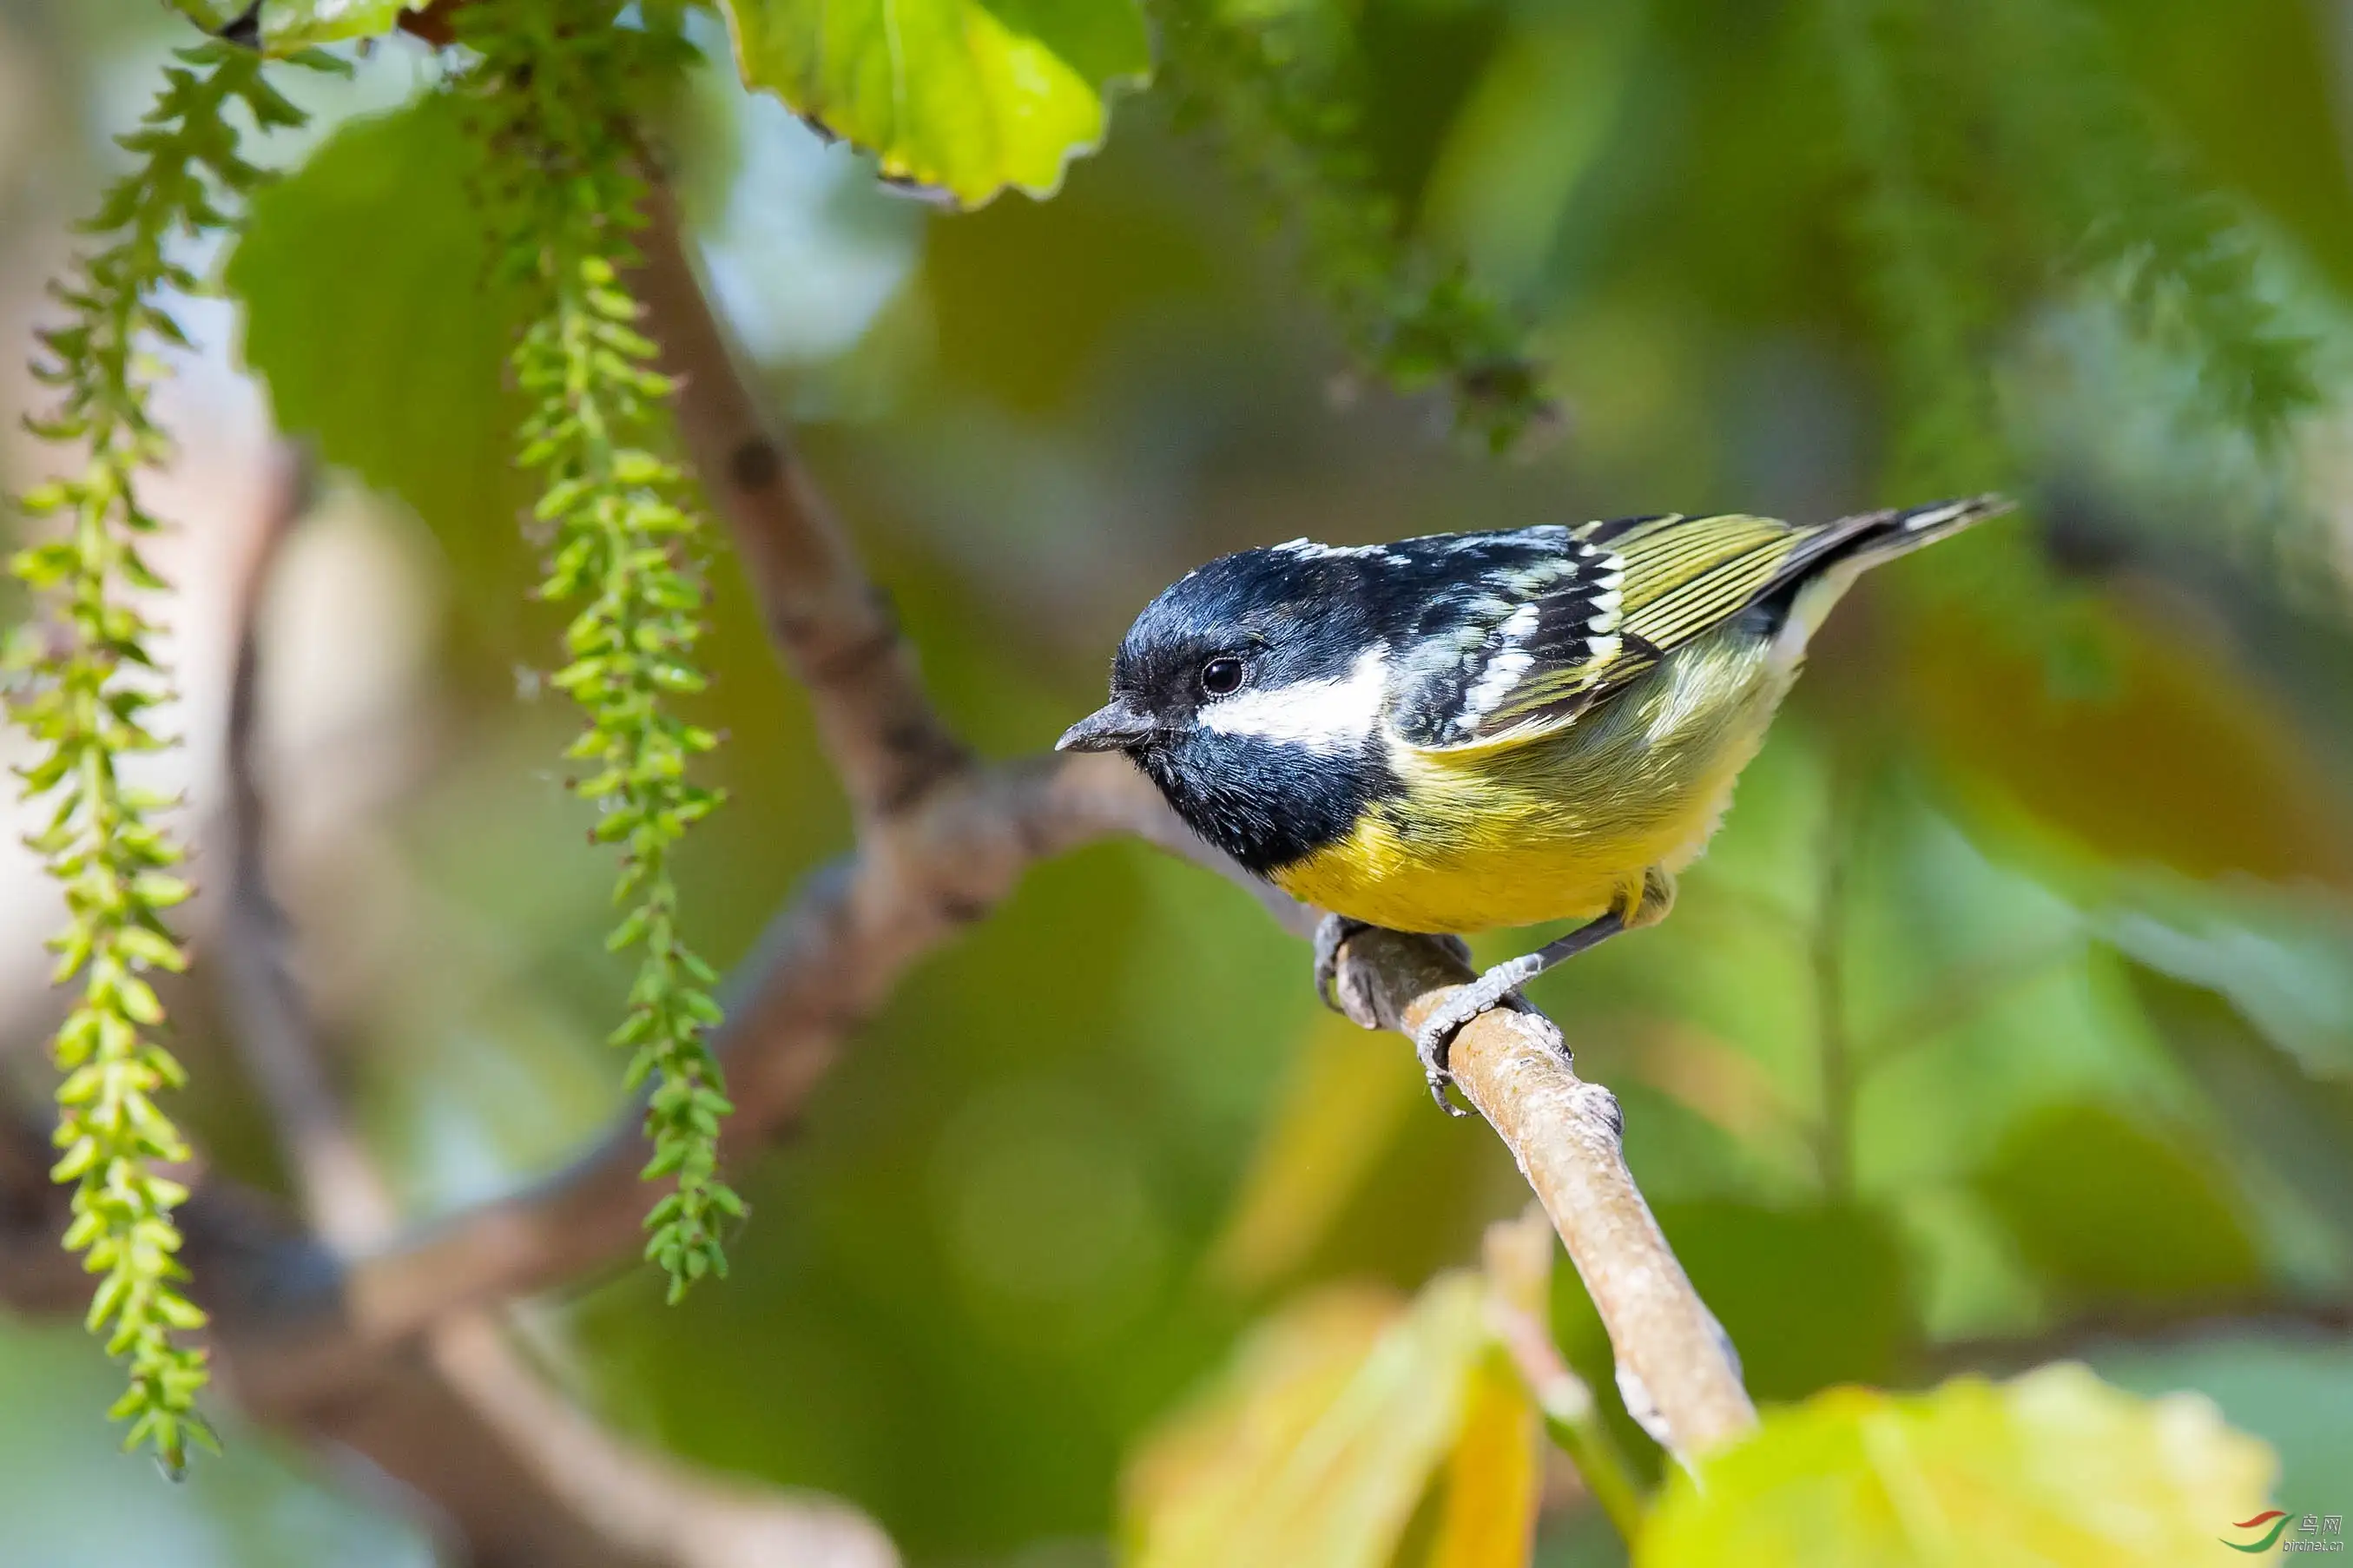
x: 1489, y: 1515
x: 2291, y: 1390
x: 2052, y: 1470
x: 1315, y: 1447
x: 950, y: 95
x: 368, y: 312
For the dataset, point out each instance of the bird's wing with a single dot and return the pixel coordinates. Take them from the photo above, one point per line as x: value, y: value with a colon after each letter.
x: 1550, y: 635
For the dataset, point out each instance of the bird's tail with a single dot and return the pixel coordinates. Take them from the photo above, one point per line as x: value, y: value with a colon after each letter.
x: 1819, y: 572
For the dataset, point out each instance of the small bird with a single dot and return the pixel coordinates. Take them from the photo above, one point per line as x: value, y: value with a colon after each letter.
x: 1471, y: 731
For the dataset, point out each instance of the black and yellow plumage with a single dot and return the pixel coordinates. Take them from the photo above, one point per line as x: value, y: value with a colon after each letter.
x: 1471, y: 730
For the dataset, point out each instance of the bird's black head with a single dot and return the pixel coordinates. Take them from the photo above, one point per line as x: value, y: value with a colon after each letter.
x: 1250, y: 691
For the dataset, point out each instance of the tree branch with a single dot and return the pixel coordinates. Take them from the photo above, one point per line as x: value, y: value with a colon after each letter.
x: 1676, y: 1371
x: 833, y: 627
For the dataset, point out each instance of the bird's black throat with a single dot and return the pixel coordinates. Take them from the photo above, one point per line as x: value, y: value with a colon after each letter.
x: 1266, y: 804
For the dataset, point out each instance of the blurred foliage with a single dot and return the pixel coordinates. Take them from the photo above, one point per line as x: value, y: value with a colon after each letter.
x: 1282, y: 84
x: 1336, y: 1417
x: 288, y: 26
x: 2053, y: 1468
x: 433, y: 421
x: 2010, y: 1016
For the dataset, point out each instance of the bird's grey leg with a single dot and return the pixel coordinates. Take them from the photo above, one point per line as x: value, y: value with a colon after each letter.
x: 1436, y: 1036
x: 1330, y: 934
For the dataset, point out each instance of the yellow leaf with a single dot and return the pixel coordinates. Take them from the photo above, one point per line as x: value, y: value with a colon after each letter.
x: 2054, y: 1470
x: 1341, y: 1104
x: 1488, y: 1517
x: 1315, y: 1446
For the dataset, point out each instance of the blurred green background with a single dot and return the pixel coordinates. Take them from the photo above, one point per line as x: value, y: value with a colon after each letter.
x: 2010, y: 1018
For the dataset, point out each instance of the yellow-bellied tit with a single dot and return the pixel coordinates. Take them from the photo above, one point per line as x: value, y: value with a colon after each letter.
x: 1470, y: 730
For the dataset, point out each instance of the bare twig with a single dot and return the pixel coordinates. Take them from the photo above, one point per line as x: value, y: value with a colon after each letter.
x: 833, y: 627
x: 1676, y: 1370
x: 269, y: 1018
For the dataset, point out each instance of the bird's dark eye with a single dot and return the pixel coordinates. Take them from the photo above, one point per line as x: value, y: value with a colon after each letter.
x: 1222, y: 676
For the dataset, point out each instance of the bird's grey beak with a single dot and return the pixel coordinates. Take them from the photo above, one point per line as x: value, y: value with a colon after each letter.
x: 1109, y: 729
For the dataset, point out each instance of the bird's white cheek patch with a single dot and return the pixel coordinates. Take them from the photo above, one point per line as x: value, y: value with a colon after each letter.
x: 1328, y: 717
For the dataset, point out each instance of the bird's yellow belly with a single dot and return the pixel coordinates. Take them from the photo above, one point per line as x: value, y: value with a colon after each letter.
x: 1561, y: 828
x: 1368, y: 878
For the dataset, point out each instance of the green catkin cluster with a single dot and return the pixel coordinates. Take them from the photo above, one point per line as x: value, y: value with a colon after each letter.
x: 556, y: 93
x: 84, y: 681
x: 1279, y: 88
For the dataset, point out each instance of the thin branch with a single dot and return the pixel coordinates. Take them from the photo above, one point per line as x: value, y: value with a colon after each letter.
x: 835, y: 629
x: 1676, y: 1370
x: 269, y: 1018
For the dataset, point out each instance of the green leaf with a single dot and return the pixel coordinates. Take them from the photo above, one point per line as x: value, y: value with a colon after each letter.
x: 368, y: 255
x: 2291, y: 1390
x: 957, y: 95
x: 2052, y: 1470
x: 2287, y: 1120
x: 1811, y: 1296
x: 2104, y: 1210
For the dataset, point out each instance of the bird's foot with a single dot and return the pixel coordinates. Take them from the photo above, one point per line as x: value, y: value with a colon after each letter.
x: 1330, y: 933
x: 1435, y: 1039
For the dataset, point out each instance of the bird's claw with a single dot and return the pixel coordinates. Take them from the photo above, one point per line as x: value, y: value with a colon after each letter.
x: 1434, y: 1041
x: 1330, y: 933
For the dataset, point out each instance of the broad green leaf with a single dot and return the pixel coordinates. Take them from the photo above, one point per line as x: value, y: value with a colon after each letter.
x: 368, y: 312
x: 1315, y: 1449
x: 289, y: 26
x: 2283, y: 960
x: 2291, y: 1390
x: 2287, y: 1120
x: 966, y: 96
x: 1811, y: 1296
x: 2055, y: 1469
x: 2103, y: 1209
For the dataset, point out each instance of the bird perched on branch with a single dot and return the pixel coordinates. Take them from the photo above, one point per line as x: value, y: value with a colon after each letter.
x: 1471, y: 730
